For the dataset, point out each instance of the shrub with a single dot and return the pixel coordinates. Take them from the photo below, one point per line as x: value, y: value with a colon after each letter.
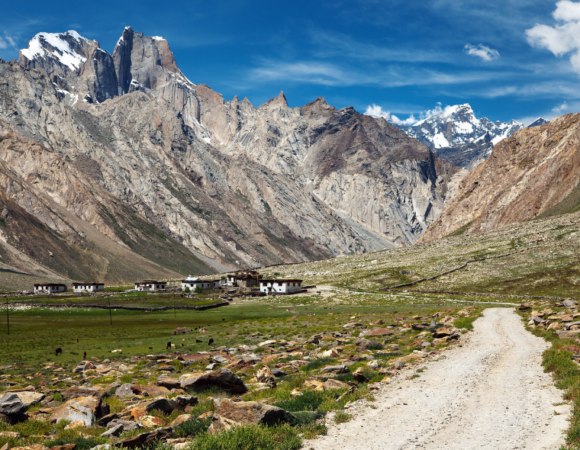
x: 187, y: 290
x: 342, y: 417
x: 198, y: 290
x: 57, y: 397
x: 317, y: 364
x: 283, y: 437
x: 193, y: 427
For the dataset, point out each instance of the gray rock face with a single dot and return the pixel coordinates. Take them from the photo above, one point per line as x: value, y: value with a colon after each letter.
x: 129, y: 144
x: 10, y: 404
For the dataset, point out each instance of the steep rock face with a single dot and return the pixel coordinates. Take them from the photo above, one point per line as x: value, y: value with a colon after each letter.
x: 234, y: 184
x: 536, y: 171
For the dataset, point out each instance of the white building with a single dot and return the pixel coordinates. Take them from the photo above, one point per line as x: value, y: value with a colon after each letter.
x: 88, y: 287
x: 194, y: 282
x: 150, y: 285
x: 282, y: 286
x: 49, y: 288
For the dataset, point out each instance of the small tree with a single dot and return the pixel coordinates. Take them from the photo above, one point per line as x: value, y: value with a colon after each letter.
x: 198, y: 290
x: 187, y: 290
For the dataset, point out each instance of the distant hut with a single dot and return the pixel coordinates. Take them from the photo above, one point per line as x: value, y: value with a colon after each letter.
x: 280, y: 286
x: 150, y: 285
x: 194, y: 282
x: 49, y: 288
x: 88, y: 287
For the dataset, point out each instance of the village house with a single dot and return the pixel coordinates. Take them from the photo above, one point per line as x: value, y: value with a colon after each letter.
x: 49, y: 288
x: 194, y: 282
x: 244, y: 278
x: 281, y: 286
x: 150, y: 285
x: 88, y: 287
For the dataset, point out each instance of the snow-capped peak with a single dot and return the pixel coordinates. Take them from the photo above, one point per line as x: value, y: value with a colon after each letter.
x: 538, y: 122
x: 59, y: 46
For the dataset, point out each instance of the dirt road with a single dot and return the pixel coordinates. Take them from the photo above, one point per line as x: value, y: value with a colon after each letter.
x: 491, y: 393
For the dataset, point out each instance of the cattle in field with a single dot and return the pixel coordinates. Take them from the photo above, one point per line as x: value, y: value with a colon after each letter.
x: 58, y: 351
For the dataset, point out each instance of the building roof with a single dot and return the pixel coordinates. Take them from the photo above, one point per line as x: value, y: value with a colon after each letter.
x: 89, y: 284
x: 281, y: 280
x: 49, y: 284
x: 150, y: 282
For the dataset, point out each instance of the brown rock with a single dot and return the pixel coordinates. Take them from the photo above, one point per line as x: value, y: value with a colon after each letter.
x: 81, y: 408
x: 168, y: 382
x: 222, y: 378
x: 378, y: 332
x: 264, y: 375
x: 334, y: 384
x: 150, y: 390
x: 64, y: 447
x: 568, y: 334
x: 441, y: 333
x: 247, y: 413
x: 571, y: 348
x: 181, y: 419
x: 145, y: 439
x: 314, y: 384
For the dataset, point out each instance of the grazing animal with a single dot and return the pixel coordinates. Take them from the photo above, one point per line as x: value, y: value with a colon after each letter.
x: 77, y: 340
x: 85, y: 355
x: 210, y: 341
x: 182, y: 345
x: 58, y: 351
x: 168, y: 345
x: 223, y: 319
x: 198, y: 341
x: 150, y: 348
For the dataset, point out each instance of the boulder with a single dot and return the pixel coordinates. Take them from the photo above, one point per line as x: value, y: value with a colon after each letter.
x: 76, y: 392
x: 314, y: 384
x: 168, y: 382
x: 571, y: 324
x: 222, y: 378
x: 125, y: 391
x: 83, y: 366
x: 82, y: 408
x: 335, y: 369
x: 334, y: 384
x: 75, y: 424
x: 569, y: 303
x: 568, y: 334
x: 113, y: 431
x: 365, y: 344
x: 30, y: 398
x: 145, y: 439
x: 105, y: 420
x: 278, y: 373
x: 181, y: 419
x: 150, y: 390
x: 537, y: 320
x: 264, y: 375
x: 183, y: 401
x: 11, y: 405
x: 378, y: 332
x: 162, y: 404
x: 126, y: 424
x: 441, y: 333
x: 151, y: 422
x: 250, y: 413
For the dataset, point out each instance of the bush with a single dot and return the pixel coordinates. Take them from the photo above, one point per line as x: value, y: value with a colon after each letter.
x: 193, y: 427
x: 342, y: 417
x: 283, y: 437
x: 198, y: 290
x: 187, y: 290
x: 57, y: 397
x: 317, y: 364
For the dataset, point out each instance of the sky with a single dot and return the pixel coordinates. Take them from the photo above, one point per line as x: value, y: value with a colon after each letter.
x: 402, y: 59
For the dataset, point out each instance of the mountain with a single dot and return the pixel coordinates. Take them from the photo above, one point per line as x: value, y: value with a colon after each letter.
x: 533, y: 173
x: 457, y: 136
x: 538, y: 122
x: 122, y: 152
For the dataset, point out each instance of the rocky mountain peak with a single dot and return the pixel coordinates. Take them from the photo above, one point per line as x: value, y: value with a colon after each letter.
x: 538, y: 122
x: 276, y: 102
x: 56, y: 52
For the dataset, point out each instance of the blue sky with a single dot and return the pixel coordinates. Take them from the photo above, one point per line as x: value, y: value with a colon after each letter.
x: 509, y: 59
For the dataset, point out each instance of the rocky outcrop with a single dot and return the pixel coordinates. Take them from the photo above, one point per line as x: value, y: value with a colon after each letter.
x: 534, y: 173
x: 158, y: 168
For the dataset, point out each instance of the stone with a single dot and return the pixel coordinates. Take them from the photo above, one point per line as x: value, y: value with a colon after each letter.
x: 162, y: 404
x: 151, y: 422
x: 149, y: 390
x: 571, y: 324
x: 12, y: 434
x: 116, y: 431
x: 181, y: 419
x: 568, y: 334
x: 569, y: 303
x: 75, y: 392
x: 183, y: 401
x: 105, y: 420
x: 278, y: 373
x: 168, y: 382
x: 145, y: 439
x: 125, y: 391
x: 222, y: 378
x: 332, y: 353
x: 374, y: 364
x: 441, y: 333
x: 11, y: 405
x: 264, y: 375
x: 537, y: 320
x: 571, y: 348
x: 76, y: 424
x: 250, y: 413
x: 81, y: 408
x: 567, y: 318
x: 30, y: 398
x: 64, y: 447
x: 359, y: 376
x: 314, y: 384
x: 83, y: 366
x: 128, y: 425
x: 335, y: 369
x: 334, y: 384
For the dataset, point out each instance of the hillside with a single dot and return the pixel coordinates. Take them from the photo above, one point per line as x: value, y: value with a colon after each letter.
x: 534, y: 173
x: 126, y: 145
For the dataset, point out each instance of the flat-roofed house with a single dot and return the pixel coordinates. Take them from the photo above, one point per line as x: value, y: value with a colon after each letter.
x: 193, y: 282
x: 244, y: 278
x: 150, y: 285
x: 49, y: 288
x: 88, y: 287
x: 280, y: 286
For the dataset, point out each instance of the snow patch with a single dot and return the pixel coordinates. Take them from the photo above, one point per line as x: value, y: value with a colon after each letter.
x: 62, y: 50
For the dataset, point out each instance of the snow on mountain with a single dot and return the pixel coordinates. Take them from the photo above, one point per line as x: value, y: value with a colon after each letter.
x: 538, y: 122
x: 455, y: 134
x: 64, y: 47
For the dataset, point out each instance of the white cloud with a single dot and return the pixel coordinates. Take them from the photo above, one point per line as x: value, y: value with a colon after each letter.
x: 7, y: 41
x: 562, y: 38
x: 482, y: 51
x: 378, y: 112
x: 560, y: 108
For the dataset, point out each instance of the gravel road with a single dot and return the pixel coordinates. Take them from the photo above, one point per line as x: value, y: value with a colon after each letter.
x: 491, y: 393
